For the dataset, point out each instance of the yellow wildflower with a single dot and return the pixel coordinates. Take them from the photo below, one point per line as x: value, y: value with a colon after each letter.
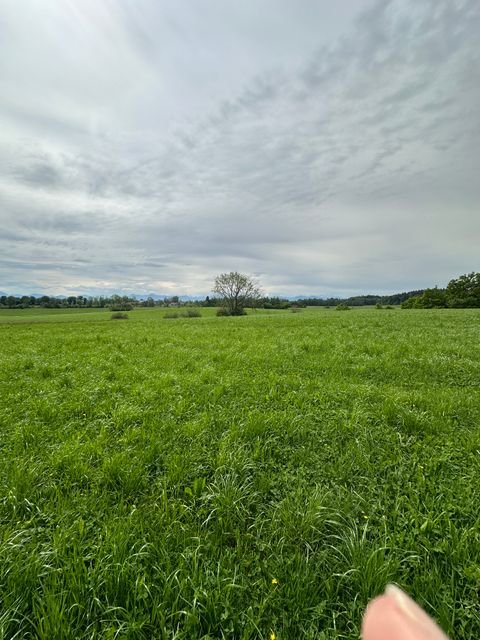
x: 274, y: 581
x: 273, y: 636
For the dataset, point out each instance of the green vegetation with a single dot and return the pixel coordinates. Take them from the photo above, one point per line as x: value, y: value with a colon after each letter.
x: 464, y: 292
x: 461, y: 293
x: 123, y: 306
x: 236, y: 291
x: 430, y: 299
x: 191, y: 313
x: 188, y: 313
x: 236, y: 477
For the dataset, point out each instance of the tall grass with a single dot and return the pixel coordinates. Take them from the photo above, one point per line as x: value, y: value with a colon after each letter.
x: 234, y: 477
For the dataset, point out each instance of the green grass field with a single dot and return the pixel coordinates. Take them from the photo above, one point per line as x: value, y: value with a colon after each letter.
x: 252, y: 477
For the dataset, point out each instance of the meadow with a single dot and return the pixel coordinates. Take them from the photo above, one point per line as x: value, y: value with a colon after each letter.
x: 254, y: 477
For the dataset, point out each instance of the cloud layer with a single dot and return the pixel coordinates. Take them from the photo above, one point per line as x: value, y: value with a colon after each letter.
x: 147, y: 147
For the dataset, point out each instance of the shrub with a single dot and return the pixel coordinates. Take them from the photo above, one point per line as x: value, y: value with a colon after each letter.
x: 222, y: 312
x: 342, y: 307
x: 379, y: 306
x: 118, y: 315
x: 191, y: 313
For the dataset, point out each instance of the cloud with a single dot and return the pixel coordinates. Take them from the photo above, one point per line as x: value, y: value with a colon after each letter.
x: 153, y: 155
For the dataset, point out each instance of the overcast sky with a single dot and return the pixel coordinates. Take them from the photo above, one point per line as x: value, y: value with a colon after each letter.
x: 323, y: 147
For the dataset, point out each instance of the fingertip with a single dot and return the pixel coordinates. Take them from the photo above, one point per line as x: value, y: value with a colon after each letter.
x: 381, y: 620
x: 395, y: 616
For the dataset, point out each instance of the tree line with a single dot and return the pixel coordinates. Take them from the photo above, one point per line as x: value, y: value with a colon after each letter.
x: 360, y: 301
x: 461, y: 292
x: 115, y: 302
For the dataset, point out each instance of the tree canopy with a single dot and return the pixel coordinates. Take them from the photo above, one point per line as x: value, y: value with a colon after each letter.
x: 462, y: 292
x: 236, y: 291
x: 430, y: 299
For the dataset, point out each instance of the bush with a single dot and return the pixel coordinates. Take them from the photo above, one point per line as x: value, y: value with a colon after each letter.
x: 379, y: 306
x: 342, y: 307
x: 191, y: 313
x: 119, y: 316
x: 222, y: 312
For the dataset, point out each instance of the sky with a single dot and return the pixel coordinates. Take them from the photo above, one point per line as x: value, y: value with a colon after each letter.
x: 324, y: 148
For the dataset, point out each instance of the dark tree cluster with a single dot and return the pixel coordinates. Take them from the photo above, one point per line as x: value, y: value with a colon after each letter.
x: 69, y: 302
x: 115, y: 302
x: 319, y: 302
x: 461, y: 293
x: 52, y: 302
x: 275, y: 302
x: 360, y: 301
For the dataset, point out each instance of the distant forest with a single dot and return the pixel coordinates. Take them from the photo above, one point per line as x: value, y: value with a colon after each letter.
x: 117, y: 302
x: 461, y: 292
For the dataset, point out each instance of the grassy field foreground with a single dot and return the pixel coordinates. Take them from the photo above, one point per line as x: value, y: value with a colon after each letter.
x: 255, y: 477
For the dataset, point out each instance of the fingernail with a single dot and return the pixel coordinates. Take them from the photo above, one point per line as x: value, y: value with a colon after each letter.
x: 404, y: 603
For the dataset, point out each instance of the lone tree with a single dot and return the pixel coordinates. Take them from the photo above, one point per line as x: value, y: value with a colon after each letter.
x: 237, y: 291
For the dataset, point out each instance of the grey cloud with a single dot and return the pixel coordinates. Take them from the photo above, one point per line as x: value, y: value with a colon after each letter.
x: 409, y: 91
x: 35, y: 116
x: 437, y: 105
x: 39, y: 174
x: 325, y: 164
